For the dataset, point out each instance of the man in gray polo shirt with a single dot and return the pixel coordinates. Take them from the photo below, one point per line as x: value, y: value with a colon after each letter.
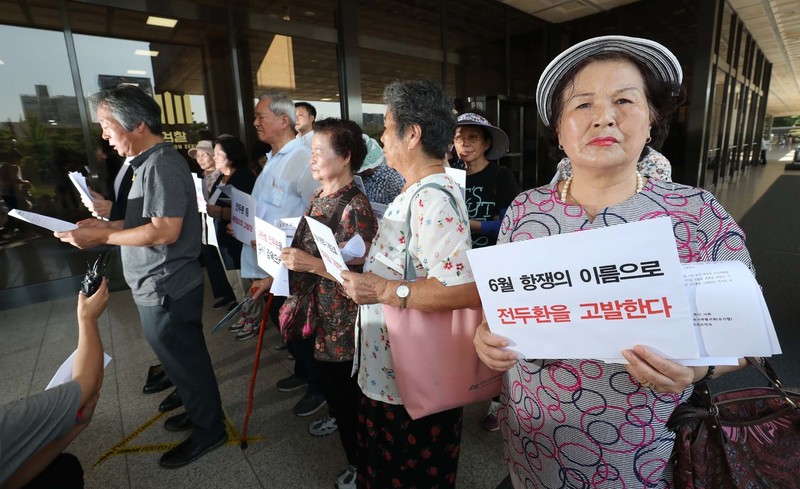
x: 160, y: 244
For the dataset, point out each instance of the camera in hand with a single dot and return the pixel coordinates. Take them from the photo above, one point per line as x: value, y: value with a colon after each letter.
x: 94, y: 276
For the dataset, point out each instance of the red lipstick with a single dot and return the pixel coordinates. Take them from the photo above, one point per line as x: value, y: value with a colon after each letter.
x: 603, y: 141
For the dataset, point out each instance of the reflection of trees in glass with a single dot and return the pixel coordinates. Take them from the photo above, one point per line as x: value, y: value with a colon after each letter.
x: 49, y: 153
x: 786, y: 121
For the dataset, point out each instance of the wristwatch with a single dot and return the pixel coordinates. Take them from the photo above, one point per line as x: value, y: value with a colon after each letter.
x: 402, y: 292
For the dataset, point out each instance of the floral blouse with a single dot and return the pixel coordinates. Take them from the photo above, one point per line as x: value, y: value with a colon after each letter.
x: 438, y: 242
x: 336, y: 311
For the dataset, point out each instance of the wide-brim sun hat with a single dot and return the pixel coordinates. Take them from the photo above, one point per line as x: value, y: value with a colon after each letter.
x: 374, y: 157
x: 658, y: 59
x: 499, y: 137
x: 204, y: 145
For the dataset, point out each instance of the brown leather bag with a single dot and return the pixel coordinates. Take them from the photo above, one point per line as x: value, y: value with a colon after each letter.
x: 744, y: 438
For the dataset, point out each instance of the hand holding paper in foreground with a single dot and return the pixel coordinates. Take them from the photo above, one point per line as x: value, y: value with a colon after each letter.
x: 660, y: 374
x: 99, y: 206
x: 299, y: 261
x: 491, y: 349
x: 84, y: 237
x: 363, y: 288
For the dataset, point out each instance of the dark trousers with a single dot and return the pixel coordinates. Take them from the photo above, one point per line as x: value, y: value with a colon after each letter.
x: 175, y: 332
x: 64, y: 472
x: 342, y: 394
x: 305, y: 365
x: 216, y: 274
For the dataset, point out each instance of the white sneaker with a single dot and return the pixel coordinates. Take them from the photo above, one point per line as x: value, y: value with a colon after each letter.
x: 347, y: 479
x: 323, y: 427
x: 490, y: 422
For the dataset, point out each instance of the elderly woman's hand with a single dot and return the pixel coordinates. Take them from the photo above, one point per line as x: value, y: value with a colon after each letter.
x: 298, y: 260
x: 260, y: 287
x: 659, y: 374
x: 364, y: 288
x: 490, y: 349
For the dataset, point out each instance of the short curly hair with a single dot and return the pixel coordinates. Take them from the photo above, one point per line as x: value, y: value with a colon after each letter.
x: 425, y: 103
x: 346, y: 139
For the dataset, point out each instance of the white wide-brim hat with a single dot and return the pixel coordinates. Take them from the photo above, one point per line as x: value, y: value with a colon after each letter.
x: 204, y: 145
x: 499, y: 137
x: 658, y: 59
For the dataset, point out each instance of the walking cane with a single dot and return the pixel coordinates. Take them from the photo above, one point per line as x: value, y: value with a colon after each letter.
x: 243, y: 442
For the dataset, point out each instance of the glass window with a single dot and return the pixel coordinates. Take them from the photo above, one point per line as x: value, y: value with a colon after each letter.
x: 400, y: 22
x: 479, y: 47
x: 378, y: 69
x: 41, y: 141
x: 41, y: 119
x: 304, y: 68
x: 171, y: 74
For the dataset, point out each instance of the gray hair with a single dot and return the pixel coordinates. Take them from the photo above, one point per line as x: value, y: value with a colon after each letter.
x: 422, y: 102
x: 280, y: 104
x: 130, y: 107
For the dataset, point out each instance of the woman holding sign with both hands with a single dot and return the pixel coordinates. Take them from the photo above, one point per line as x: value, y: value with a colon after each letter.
x: 318, y: 310
x: 602, y: 101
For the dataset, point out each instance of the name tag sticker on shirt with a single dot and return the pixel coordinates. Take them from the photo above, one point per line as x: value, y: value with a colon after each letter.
x: 277, y: 192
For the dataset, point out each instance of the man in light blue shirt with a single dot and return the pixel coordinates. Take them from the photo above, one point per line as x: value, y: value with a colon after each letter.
x: 285, y: 185
x: 283, y: 189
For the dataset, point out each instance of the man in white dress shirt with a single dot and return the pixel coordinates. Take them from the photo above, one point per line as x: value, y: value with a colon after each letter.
x: 305, y: 114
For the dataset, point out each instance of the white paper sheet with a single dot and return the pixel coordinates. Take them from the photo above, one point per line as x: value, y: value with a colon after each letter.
x: 79, y: 181
x: 460, y: 176
x: 727, y: 309
x: 51, y: 223
x: 270, y: 240
x: 384, y: 267
x: 215, y: 195
x: 360, y: 184
x: 64, y: 372
x: 328, y: 248
x: 355, y: 248
x: 227, y: 191
x: 201, y: 199
x: 288, y: 225
x: 243, y: 212
x: 379, y: 210
x: 211, y: 231
x: 582, y: 311
x: 739, y: 323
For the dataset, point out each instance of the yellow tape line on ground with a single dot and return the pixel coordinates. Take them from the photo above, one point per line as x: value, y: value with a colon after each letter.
x: 122, y: 447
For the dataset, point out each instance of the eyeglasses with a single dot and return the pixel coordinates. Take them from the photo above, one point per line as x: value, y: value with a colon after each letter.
x: 471, y: 139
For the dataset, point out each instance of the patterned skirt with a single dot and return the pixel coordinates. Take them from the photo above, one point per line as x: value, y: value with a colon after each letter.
x: 396, y: 451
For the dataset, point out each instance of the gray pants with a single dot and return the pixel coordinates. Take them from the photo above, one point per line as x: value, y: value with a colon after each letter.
x: 175, y: 331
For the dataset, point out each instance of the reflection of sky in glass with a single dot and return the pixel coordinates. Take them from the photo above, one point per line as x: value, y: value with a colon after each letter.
x: 43, y: 61
x: 31, y: 57
x: 104, y: 56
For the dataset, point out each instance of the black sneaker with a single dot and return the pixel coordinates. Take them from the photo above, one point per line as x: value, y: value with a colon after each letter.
x: 222, y: 303
x: 291, y: 383
x: 309, y: 404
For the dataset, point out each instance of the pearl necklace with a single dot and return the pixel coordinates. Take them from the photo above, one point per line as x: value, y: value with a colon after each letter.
x: 565, y: 190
